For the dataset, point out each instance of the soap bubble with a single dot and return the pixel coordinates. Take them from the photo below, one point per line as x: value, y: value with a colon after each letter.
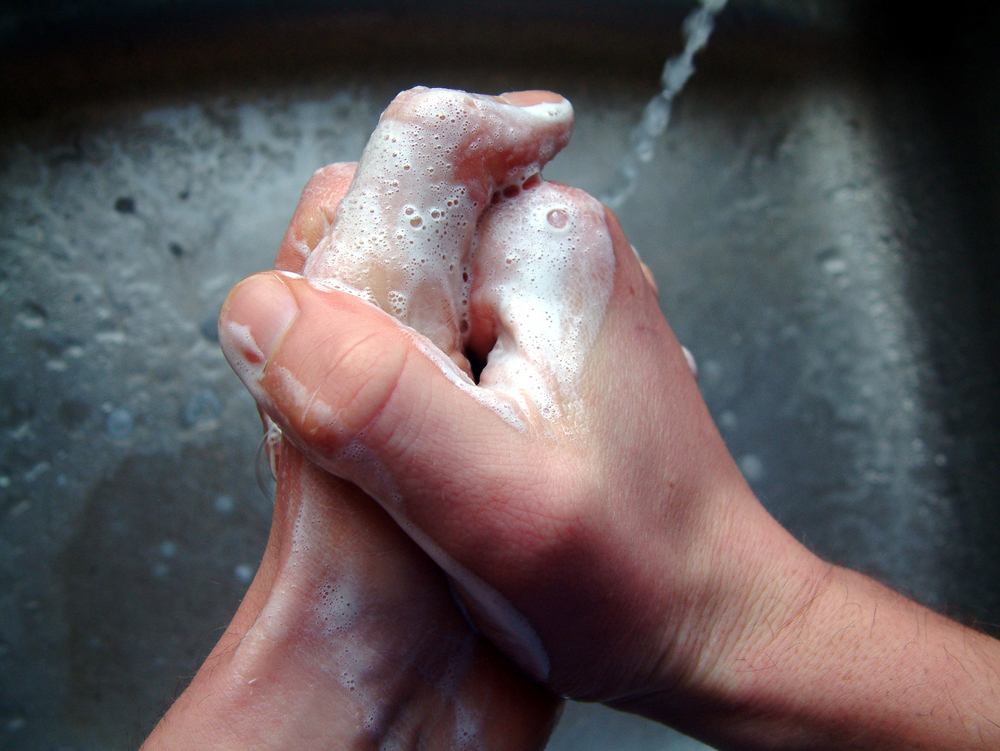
x: 558, y: 218
x: 224, y: 504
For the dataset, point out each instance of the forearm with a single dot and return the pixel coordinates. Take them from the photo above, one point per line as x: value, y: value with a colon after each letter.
x: 274, y: 688
x: 852, y: 664
x: 834, y: 660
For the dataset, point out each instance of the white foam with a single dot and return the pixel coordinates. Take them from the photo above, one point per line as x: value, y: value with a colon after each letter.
x: 406, y: 239
x: 242, y: 352
x: 311, y: 407
x: 507, y: 409
x: 692, y: 363
x: 404, y: 230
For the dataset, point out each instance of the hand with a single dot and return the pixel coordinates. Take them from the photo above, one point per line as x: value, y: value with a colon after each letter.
x: 349, y: 634
x: 579, y: 495
x: 520, y: 407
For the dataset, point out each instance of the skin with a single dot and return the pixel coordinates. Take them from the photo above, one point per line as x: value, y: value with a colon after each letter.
x: 655, y: 580
x: 278, y: 678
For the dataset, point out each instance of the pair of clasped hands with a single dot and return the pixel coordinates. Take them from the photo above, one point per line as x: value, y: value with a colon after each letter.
x: 455, y: 546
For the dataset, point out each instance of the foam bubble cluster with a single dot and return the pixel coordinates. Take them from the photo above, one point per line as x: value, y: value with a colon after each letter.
x: 436, y: 161
x: 448, y: 227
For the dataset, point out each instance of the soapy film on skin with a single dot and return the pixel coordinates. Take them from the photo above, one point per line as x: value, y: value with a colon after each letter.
x: 449, y: 228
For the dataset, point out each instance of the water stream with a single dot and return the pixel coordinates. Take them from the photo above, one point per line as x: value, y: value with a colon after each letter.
x: 697, y: 29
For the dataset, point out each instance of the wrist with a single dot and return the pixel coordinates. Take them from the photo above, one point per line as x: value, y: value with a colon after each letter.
x: 855, y: 665
x: 821, y: 657
x: 349, y: 638
x: 745, y: 580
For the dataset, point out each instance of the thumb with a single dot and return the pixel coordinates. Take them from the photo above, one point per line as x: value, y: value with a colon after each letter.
x: 374, y: 402
x: 368, y: 398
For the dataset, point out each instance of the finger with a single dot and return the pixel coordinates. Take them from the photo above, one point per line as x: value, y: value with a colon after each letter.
x: 375, y: 403
x: 313, y: 217
x: 435, y: 163
x: 543, y: 273
x: 315, y: 214
x: 335, y: 370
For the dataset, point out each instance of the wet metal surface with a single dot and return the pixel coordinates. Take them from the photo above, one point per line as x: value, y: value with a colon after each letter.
x: 822, y: 233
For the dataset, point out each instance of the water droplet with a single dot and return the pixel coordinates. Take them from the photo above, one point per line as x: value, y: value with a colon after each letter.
x: 15, y: 723
x: 558, y: 218
x: 645, y: 150
x: 834, y: 266
x: 752, y: 467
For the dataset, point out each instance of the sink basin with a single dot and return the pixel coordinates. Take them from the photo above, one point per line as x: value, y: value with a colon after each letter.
x: 822, y: 218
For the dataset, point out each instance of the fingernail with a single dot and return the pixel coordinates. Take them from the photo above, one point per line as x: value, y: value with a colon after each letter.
x: 530, y: 98
x: 254, y: 317
x: 691, y: 361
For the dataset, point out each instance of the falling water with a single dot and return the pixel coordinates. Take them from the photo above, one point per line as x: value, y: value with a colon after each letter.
x: 655, y: 118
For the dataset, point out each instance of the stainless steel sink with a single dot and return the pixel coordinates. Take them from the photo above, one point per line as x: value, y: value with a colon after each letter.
x: 822, y: 217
